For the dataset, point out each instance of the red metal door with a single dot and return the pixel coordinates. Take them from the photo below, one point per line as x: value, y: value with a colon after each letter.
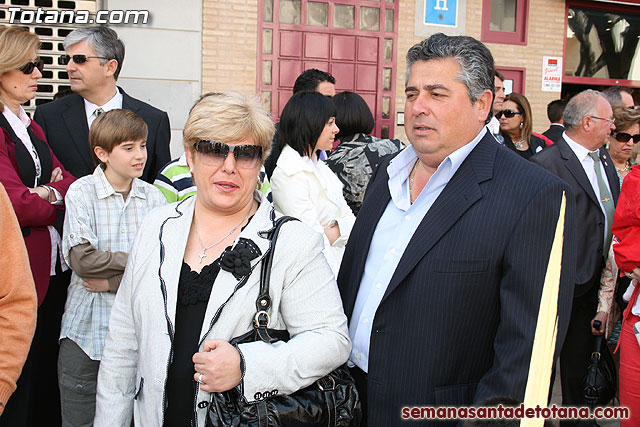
x: 355, y: 41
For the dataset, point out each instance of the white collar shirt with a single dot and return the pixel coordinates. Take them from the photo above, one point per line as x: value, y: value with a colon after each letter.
x: 586, y: 161
x: 90, y: 108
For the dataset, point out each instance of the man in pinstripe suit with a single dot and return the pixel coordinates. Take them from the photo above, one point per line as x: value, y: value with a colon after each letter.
x: 444, y: 270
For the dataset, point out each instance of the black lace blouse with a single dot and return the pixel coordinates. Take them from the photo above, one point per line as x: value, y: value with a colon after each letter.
x: 194, y: 290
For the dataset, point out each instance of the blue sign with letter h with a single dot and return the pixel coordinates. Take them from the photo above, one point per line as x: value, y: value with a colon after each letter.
x: 441, y: 12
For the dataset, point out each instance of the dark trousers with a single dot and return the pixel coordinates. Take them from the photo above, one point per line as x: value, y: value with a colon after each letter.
x: 575, y: 356
x: 360, y: 378
x: 36, y: 401
x: 78, y: 377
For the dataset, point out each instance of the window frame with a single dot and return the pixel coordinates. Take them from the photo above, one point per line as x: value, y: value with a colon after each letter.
x: 517, y: 37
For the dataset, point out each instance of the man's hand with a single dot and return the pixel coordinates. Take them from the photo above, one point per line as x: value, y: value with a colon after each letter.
x: 96, y: 285
x: 217, y: 366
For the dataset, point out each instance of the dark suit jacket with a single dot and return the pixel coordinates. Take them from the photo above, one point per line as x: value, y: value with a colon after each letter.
x: 457, y: 321
x: 17, y: 173
x: 554, y: 132
x: 560, y: 160
x: 65, y: 125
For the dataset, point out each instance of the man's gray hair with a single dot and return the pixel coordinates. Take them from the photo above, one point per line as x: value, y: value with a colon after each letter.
x: 614, y: 95
x: 581, y: 105
x: 477, y: 69
x: 103, y: 40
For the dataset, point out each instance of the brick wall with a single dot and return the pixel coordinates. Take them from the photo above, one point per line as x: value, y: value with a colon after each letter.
x: 229, y: 45
x: 545, y: 38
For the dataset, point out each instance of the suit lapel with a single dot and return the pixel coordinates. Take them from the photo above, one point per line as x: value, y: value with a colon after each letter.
x: 612, y: 175
x: 574, y: 166
x: 127, y: 102
x: 462, y: 191
x: 76, y: 121
x: 374, y: 204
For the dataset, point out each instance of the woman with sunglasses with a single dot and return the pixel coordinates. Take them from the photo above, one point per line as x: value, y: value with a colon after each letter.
x: 302, y: 185
x: 621, y: 141
x: 36, y: 183
x: 192, y: 280
x: 516, y: 126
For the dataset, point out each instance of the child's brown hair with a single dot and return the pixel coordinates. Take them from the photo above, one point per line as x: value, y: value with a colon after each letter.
x: 114, y: 127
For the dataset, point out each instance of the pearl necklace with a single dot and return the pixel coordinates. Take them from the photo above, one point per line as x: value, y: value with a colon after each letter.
x: 203, y: 254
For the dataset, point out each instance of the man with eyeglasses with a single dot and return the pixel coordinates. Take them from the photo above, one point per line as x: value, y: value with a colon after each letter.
x: 580, y: 159
x: 94, y: 59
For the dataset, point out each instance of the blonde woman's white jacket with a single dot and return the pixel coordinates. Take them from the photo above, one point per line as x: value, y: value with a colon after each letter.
x: 133, y: 370
x: 314, y: 196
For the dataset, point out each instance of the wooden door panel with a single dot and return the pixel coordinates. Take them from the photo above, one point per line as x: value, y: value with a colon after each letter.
x: 344, y: 74
x: 316, y: 45
x: 343, y: 48
x: 368, y: 49
x: 291, y: 43
x: 288, y: 73
x: 366, y: 77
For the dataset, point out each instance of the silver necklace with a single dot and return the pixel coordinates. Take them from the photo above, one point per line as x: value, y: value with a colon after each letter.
x: 519, y: 144
x: 203, y: 254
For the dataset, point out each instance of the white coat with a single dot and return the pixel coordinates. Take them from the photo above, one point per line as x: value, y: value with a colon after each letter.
x: 314, y: 196
x: 306, y: 302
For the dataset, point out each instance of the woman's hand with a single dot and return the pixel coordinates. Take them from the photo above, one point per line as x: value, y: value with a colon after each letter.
x: 332, y: 233
x: 635, y: 274
x: 96, y: 285
x: 56, y: 175
x: 40, y: 191
x: 217, y: 366
x: 602, y: 317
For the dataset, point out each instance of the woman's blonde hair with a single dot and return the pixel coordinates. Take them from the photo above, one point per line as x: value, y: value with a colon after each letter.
x: 228, y: 117
x: 17, y: 45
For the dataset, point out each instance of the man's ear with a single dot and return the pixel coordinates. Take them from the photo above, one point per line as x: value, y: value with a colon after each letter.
x: 483, y: 105
x: 110, y: 67
x: 101, y: 154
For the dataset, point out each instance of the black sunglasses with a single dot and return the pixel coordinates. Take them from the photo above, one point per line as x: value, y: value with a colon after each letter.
x: 625, y: 137
x: 30, y: 66
x: 78, y: 59
x: 509, y: 114
x: 214, y: 153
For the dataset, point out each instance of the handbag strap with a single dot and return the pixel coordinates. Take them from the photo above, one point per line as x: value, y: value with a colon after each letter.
x: 261, y: 319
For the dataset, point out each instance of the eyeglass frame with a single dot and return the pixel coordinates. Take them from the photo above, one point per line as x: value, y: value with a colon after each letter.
x: 513, y: 113
x: 234, y: 149
x: 611, y: 120
x: 32, y: 65
x: 65, y: 59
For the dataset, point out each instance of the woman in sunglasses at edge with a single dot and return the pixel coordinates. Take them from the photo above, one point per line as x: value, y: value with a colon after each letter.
x: 192, y: 281
x: 36, y: 183
x: 302, y: 185
x: 516, y: 126
x: 622, y: 140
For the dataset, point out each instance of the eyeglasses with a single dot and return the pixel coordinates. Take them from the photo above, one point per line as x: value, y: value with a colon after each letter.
x: 30, y: 66
x: 602, y: 118
x: 214, y: 153
x: 78, y: 59
x: 509, y: 114
x: 625, y: 137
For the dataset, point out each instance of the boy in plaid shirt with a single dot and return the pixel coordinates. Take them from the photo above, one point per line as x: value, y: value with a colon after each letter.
x: 103, y: 212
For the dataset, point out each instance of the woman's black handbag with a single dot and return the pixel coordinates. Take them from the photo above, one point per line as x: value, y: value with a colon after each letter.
x: 600, y: 383
x: 330, y: 401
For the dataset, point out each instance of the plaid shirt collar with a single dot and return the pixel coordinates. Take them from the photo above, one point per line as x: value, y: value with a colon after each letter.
x: 104, y: 188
